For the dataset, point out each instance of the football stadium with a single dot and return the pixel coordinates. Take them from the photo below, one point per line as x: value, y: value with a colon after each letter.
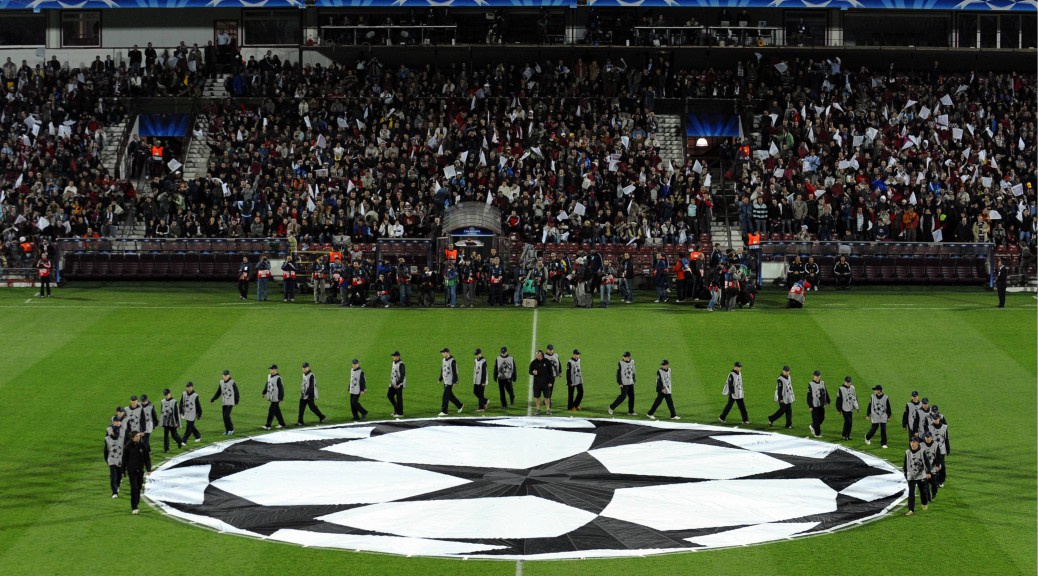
x: 519, y: 287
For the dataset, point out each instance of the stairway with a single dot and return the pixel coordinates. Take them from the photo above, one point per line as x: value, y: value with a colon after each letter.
x: 671, y: 134
x: 196, y: 160
x: 215, y: 88
x: 113, y: 138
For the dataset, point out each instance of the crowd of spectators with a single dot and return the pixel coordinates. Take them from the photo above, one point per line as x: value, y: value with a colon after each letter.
x: 567, y: 150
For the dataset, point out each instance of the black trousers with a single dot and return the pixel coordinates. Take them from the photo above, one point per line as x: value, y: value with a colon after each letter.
x: 190, y: 429
x: 882, y: 432
x: 728, y: 408
x: 848, y: 419
x: 274, y: 411
x: 625, y: 392
x: 998, y: 286
x: 576, y: 394
x: 660, y: 397
x: 168, y: 431
x: 505, y: 386
x: 228, y: 424
x: 396, y: 398
x: 115, y: 477
x: 495, y: 295
x: 243, y: 288
x: 783, y: 409
x: 290, y: 289
x: 136, y: 485
x: 355, y: 407
x: 449, y: 397
x: 479, y: 391
x: 924, y: 492
x: 304, y: 403
x: 817, y: 417
x: 45, y: 284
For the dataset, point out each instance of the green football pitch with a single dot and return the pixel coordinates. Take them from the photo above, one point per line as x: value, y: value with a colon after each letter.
x: 69, y: 360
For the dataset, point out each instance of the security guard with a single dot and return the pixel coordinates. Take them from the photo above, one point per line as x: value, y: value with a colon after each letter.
x: 169, y: 419
x: 358, y: 386
x: 227, y: 392
x: 846, y: 402
x: 785, y: 397
x: 626, y: 375
x: 574, y: 382
x: 190, y: 411
x: 817, y: 398
x: 1001, y: 279
x: 274, y: 392
x: 663, y: 391
x: 479, y: 380
x: 878, y: 413
x: 449, y: 377
x: 504, y: 374
x: 397, y: 383
x: 308, y: 396
x: 733, y: 390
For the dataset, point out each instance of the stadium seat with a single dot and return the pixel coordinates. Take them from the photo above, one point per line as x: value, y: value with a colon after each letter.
x: 131, y: 266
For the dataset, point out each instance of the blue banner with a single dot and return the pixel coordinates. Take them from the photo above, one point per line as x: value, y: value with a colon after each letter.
x: 712, y: 126
x: 967, y: 5
x: 164, y: 125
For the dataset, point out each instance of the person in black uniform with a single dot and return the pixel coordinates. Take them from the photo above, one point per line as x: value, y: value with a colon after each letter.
x: 878, y: 413
x: 785, y: 397
x: 227, y: 392
x: 243, y: 278
x: 847, y: 404
x: 795, y: 272
x: 274, y: 392
x: 190, y: 411
x: 811, y: 272
x: 479, y: 380
x: 308, y: 396
x: 842, y: 272
x: 288, y: 274
x: 626, y: 376
x: 918, y: 471
x: 543, y: 380
x: 504, y: 374
x: 137, y: 459
x: 663, y: 392
x: 817, y: 399
x: 358, y: 386
x: 449, y: 377
x: 1001, y: 278
x: 397, y: 382
x: 115, y: 443
x: 170, y: 420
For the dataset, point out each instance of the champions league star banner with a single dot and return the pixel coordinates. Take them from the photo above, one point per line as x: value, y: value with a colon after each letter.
x: 969, y: 5
x: 525, y: 488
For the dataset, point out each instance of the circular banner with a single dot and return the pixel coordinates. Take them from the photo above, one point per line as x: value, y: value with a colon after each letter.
x: 525, y: 488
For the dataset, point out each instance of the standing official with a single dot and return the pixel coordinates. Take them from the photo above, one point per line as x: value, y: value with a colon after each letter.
x: 288, y: 275
x: 190, y: 411
x: 274, y: 392
x: 397, y: 382
x: 918, y: 472
x: 308, y: 396
x: 626, y: 375
x: 574, y: 382
x: 846, y: 402
x: 878, y: 413
x: 169, y: 419
x: 663, y: 391
x: 817, y: 398
x: 909, y: 416
x: 262, y: 277
x: 733, y: 390
x: 318, y: 276
x: 358, y: 386
x: 115, y: 441
x: 449, y: 377
x: 243, y: 278
x: 504, y: 374
x: 227, y: 392
x: 785, y: 397
x: 479, y: 380
x: 44, y: 268
x: 137, y: 459
x: 543, y: 372
x: 1001, y: 279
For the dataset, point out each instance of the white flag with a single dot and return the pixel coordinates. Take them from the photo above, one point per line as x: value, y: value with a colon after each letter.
x: 781, y: 67
x: 773, y: 150
x: 1020, y: 144
x: 482, y: 158
x: 924, y: 113
x: 306, y: 119
x: 42, y: 223
x: 946, y: 100
x: 910, y: 104
x: 698, y: 168
x: 310, y: 206
x: 706, y: 182
x: 174, y: 165
x: 322, y: 142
